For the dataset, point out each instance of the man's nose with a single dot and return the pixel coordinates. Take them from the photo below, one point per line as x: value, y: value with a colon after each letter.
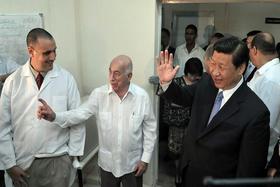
x: 52, y: 56
x: 111, y: 76
x: 216, y: 71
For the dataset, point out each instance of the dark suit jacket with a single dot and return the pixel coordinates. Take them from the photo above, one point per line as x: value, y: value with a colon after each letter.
x: 275, y: 160
x: 235, y: 143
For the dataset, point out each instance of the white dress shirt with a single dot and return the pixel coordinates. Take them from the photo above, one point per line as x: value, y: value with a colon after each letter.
x: 23, y: 137
x: 182, y: 55
x: 266, y: 84
x: 249, y: 70
x: 126, y: 128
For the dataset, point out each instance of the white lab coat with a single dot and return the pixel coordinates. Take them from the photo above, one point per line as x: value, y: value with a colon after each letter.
x: 24, y: 137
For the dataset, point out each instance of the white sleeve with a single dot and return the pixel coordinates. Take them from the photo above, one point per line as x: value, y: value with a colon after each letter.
x: 77, y: 133
x: 78, y: 115
x: 7, y: 153
x: 149, y: 130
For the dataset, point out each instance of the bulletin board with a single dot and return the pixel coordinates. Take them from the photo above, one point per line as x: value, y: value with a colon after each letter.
x: 13, y: 31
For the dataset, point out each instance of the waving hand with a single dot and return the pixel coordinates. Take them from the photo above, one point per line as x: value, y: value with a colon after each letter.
x: 165, y: 69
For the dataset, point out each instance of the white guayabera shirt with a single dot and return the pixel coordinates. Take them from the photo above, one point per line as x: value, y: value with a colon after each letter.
x: 266, y: 84
x: 126, y: 127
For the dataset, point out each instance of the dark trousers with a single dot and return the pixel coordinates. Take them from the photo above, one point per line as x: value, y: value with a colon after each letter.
x: 127, y: 180
x: 2, y: 181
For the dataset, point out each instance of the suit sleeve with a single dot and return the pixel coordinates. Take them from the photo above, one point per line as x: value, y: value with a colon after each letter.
x: 254, y: 147
x: 77, y: 133
x: 180, y: 95
x: 275, y: 160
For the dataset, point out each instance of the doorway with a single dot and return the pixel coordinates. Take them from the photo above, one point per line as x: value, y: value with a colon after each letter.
x: 228, y: 17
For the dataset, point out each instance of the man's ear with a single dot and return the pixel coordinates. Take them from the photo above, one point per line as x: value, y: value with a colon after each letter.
x: 129, y: 76
x: 242, y: 68
x: 254, y: 49
x: 30, y: 51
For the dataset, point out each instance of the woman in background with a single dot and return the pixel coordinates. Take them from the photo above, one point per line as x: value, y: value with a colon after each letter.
x: 177, y: 117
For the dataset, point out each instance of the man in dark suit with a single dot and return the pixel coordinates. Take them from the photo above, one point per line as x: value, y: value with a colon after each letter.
x: 165, y: 41
x: 234, y: 142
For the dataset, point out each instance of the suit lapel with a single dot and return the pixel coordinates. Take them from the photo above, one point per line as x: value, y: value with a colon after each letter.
x: 206, y: 108
x: 229, y: 109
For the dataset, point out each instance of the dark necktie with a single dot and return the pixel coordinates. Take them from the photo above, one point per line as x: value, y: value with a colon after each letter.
x: 216, y: 106
x: 39, y: 80
x: 251, y: 75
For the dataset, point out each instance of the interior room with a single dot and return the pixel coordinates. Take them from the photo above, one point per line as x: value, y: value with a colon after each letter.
x: 89, y: 33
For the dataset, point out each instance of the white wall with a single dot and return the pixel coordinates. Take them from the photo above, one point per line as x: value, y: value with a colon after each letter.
x: 59, y: 20
x: 110, y: 28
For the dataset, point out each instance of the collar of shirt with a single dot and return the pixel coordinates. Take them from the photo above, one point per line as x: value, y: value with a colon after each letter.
x: 194, y: 48
x: 228, y: 93
x: 266, y: 66
x: 130, y: 90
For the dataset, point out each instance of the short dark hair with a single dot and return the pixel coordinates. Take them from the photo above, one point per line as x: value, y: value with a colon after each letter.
x: 253, y: 33
x: 235, y: 47
x: 36, y: 33
x: 193, y: 66
x: 265, y: 43
x: 193, y: 27
x: 166, y: 31
x: 218, y: 35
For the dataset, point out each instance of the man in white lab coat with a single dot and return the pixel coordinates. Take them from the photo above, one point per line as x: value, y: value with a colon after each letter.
x: 35, y: 152
x: 126, y: 125
x: 6, y: 68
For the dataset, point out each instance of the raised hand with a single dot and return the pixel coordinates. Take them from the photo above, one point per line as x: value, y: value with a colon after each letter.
x: 165, y: 69
x: 45, y: 111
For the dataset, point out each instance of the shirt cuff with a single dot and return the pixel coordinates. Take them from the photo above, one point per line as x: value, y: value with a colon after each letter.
x: 146, y: 157
x: 165, y: 86
x: 8, y: 165
x: 60, y: 121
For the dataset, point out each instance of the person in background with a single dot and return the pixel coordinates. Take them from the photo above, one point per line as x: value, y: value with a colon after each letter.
x: 250, y: 69
x: 223, y: 140
x: 163, y: 128
x: 6, y: 68
x: 37, y: 153
x: 213, y: 39
x: 165, y: 41
x: 188, y: 50
x: 266, y: 80
x: 278, y: 49
x: 207, y: 57
x: 126, y: 125
x: 177, y: 117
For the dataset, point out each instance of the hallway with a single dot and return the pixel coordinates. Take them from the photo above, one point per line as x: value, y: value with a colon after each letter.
x: 91, y: 176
